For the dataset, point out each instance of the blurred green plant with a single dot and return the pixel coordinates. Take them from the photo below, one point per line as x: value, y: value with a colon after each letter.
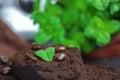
x: 85, y: 24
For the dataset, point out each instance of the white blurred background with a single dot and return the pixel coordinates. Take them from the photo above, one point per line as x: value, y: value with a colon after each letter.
x: 17, y: 15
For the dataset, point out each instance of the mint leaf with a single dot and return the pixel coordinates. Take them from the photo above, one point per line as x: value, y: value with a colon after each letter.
x: 88, y: 47
x: 114, y: 0
x: 100, y: 31
x: 112, y: 26
x: 46, y: 54
x: 71, y: 43
x: 100, y: 4
x: 103, y: 38
x: 42, y: 37
x: 97, y: 22
x: 84, y: 24
x: 114, y: 8
x: 90, y: 32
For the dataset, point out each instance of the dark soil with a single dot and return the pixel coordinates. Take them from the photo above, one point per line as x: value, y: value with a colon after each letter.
x: 67, y: 69
x: 99, y: 72
x: 108, y: 62
x: 10, y: 44
x: 70, y: 68
x: 6, y: 72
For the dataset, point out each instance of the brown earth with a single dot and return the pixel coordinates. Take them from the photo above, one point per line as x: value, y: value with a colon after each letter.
x: 70, y: 68
x: 26, y: 66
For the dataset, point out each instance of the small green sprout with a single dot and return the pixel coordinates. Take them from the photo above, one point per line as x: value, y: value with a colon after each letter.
x: 46, y: 54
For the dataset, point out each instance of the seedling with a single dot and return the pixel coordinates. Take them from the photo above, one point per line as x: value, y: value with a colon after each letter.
x: 46, y: 54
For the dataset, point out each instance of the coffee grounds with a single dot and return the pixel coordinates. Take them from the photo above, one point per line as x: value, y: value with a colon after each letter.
x: 10, y: 44
x: 100, y: 72
x: 70, y: 68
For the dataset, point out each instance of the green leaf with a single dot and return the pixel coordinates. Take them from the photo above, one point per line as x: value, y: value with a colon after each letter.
x: 100, y: 31
x: 80, y: 4
x: 103, y: 38
x: 114, y: 0
x: 36, y: 5
x: 54, y: 9
x: 46, y: 54
x: 84, y: 24
x: 100, y: 4
x: 78, y: 37
x: 87, y: 47
x: 66, y: 18
x: 84, y: 18
x: 104, y: 15
x: 114, y: 8
x: 90, y: 32
x: 97, y: 22
x: 42, y: 37
x: 71, y: 43
x: 112, y: 26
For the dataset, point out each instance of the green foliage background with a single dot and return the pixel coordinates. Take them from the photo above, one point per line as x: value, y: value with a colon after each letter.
x: 85, y: 24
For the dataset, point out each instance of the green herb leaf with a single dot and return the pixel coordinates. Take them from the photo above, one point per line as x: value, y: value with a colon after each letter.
x: 88, y: 47
x: 96, y: 24
x: 71, y: 43
x: 100, y: 4
x: 84, y: 24
x: 103, y: 38
x: 114, y: 0
x: 114, y: 8
x: 100, y: 30
x: 42, y: 37
x: 46, y: 54
x: 112, y: 26
x: 90, y: 32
